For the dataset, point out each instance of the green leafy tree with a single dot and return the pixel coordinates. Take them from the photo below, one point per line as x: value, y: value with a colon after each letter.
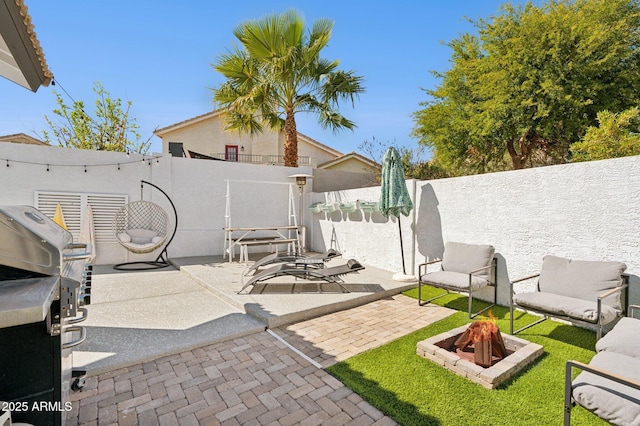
x: 278, y: 72
x: 112, y: 129
x: 618, y: 135
x: 527, y: 87
x: 415, y: 167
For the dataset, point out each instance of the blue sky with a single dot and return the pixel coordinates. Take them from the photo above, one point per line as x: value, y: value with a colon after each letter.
x: 158, y: 55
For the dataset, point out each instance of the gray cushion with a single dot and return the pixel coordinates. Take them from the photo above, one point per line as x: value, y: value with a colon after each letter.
x: 566, y: 306
x: 613, y: 402
x: 142, y: 236
x: 454, y: 280
x: 464, y: 258
x: 624, y: 338
x: 581, y: 278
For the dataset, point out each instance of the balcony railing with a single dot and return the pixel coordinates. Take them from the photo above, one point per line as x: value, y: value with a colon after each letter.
x: 276, y: 160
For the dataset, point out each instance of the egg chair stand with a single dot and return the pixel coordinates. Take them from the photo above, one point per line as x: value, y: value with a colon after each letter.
x: 142, y: 227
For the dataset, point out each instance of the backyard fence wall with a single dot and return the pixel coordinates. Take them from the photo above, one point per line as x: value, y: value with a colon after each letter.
x: 583, y: 211
x: 198, y: 188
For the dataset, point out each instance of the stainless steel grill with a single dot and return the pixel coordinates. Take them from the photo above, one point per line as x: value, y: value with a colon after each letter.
x: 44, y: 284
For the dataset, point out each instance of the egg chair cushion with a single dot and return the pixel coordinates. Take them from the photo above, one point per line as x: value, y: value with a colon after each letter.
x: 142, y: 236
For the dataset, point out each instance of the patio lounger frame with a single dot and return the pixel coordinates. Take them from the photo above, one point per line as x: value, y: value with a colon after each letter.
x: 302, y: 271
x: 272, y: 242
x: 273, y: 258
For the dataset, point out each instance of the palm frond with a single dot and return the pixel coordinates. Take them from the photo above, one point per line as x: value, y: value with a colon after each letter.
x: 331, y: 119
x: 243, y: 123
x: 341, y: 85
x: 276, y: 68
x: 320, y: 33
x: 293, y: 30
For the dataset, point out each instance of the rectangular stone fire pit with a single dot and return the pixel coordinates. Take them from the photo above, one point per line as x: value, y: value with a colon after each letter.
x: 438, y: 349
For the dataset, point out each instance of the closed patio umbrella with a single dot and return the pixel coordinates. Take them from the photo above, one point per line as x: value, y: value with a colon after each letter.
x: 394, y: 197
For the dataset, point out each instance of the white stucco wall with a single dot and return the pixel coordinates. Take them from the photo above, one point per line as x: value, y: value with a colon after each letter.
x: 582, y: 211
x: 196, y: 187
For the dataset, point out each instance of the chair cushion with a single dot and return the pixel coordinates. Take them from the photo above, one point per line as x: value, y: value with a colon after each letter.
x: 624, y: 338
x: 142, y: 236
x: 611, y: 401
x: 124, y: 237
x: 140, y: 247
x: 464, y: 258
x: 581, y: 278
x: 566, y: 306
x: 454, y: 280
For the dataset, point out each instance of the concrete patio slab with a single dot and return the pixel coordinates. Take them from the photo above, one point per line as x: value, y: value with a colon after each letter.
x: 138, y: 316
x: 284, y: 300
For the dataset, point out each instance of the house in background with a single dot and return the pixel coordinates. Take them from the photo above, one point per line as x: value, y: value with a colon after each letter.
x: 22, y: 138
x: 352, y: 162
x: 204, y: 137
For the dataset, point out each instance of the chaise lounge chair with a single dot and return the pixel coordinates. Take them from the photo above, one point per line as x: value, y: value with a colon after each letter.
x: 270, y: 259
x: 300, y: 270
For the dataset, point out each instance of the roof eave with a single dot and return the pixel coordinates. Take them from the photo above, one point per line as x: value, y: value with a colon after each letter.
x: 21, y: 58
x: 346, y: 157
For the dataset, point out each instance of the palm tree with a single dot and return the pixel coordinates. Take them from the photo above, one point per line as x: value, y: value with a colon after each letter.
x: 278, y: 72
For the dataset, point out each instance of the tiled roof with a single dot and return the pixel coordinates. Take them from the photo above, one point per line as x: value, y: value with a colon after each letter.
x: 187, y: 122
x: 23, y: 28
x: 346, y: 157
x: 22, y: 138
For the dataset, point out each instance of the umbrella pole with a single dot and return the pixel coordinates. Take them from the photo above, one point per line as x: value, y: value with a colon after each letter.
x: 401, y: 248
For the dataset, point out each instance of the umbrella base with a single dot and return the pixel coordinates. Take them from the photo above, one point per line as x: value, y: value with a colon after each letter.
x: 404, y: 277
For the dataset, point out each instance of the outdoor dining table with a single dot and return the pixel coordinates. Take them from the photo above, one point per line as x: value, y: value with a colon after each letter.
x: 246, y: 236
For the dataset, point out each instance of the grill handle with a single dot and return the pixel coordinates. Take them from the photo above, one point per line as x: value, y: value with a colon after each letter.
x: 84, y: 313
x: 83, y: 336
x: 74, y: 246
x: 75, y: 256
x: 70, y: 257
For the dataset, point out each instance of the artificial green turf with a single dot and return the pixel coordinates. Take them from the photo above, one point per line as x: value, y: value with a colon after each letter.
x: 415, y: 391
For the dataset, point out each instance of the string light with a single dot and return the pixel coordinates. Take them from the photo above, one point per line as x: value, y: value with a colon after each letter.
x: 86, y: 167
x: 84, y: 117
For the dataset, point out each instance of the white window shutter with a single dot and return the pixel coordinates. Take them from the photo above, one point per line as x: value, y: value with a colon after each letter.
x: 74, y: 205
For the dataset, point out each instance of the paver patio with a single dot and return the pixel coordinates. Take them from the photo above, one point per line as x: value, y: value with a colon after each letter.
x: 255, y: 379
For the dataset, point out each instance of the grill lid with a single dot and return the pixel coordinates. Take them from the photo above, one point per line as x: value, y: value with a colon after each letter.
x: 31, y: 241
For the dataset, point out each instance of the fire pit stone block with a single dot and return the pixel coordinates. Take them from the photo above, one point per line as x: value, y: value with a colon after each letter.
x: 436, y: 349
x: 448, y: 357
x: 469, y: 368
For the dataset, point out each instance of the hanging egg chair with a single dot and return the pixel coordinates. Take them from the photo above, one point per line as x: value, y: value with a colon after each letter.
x: 143, y: 227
